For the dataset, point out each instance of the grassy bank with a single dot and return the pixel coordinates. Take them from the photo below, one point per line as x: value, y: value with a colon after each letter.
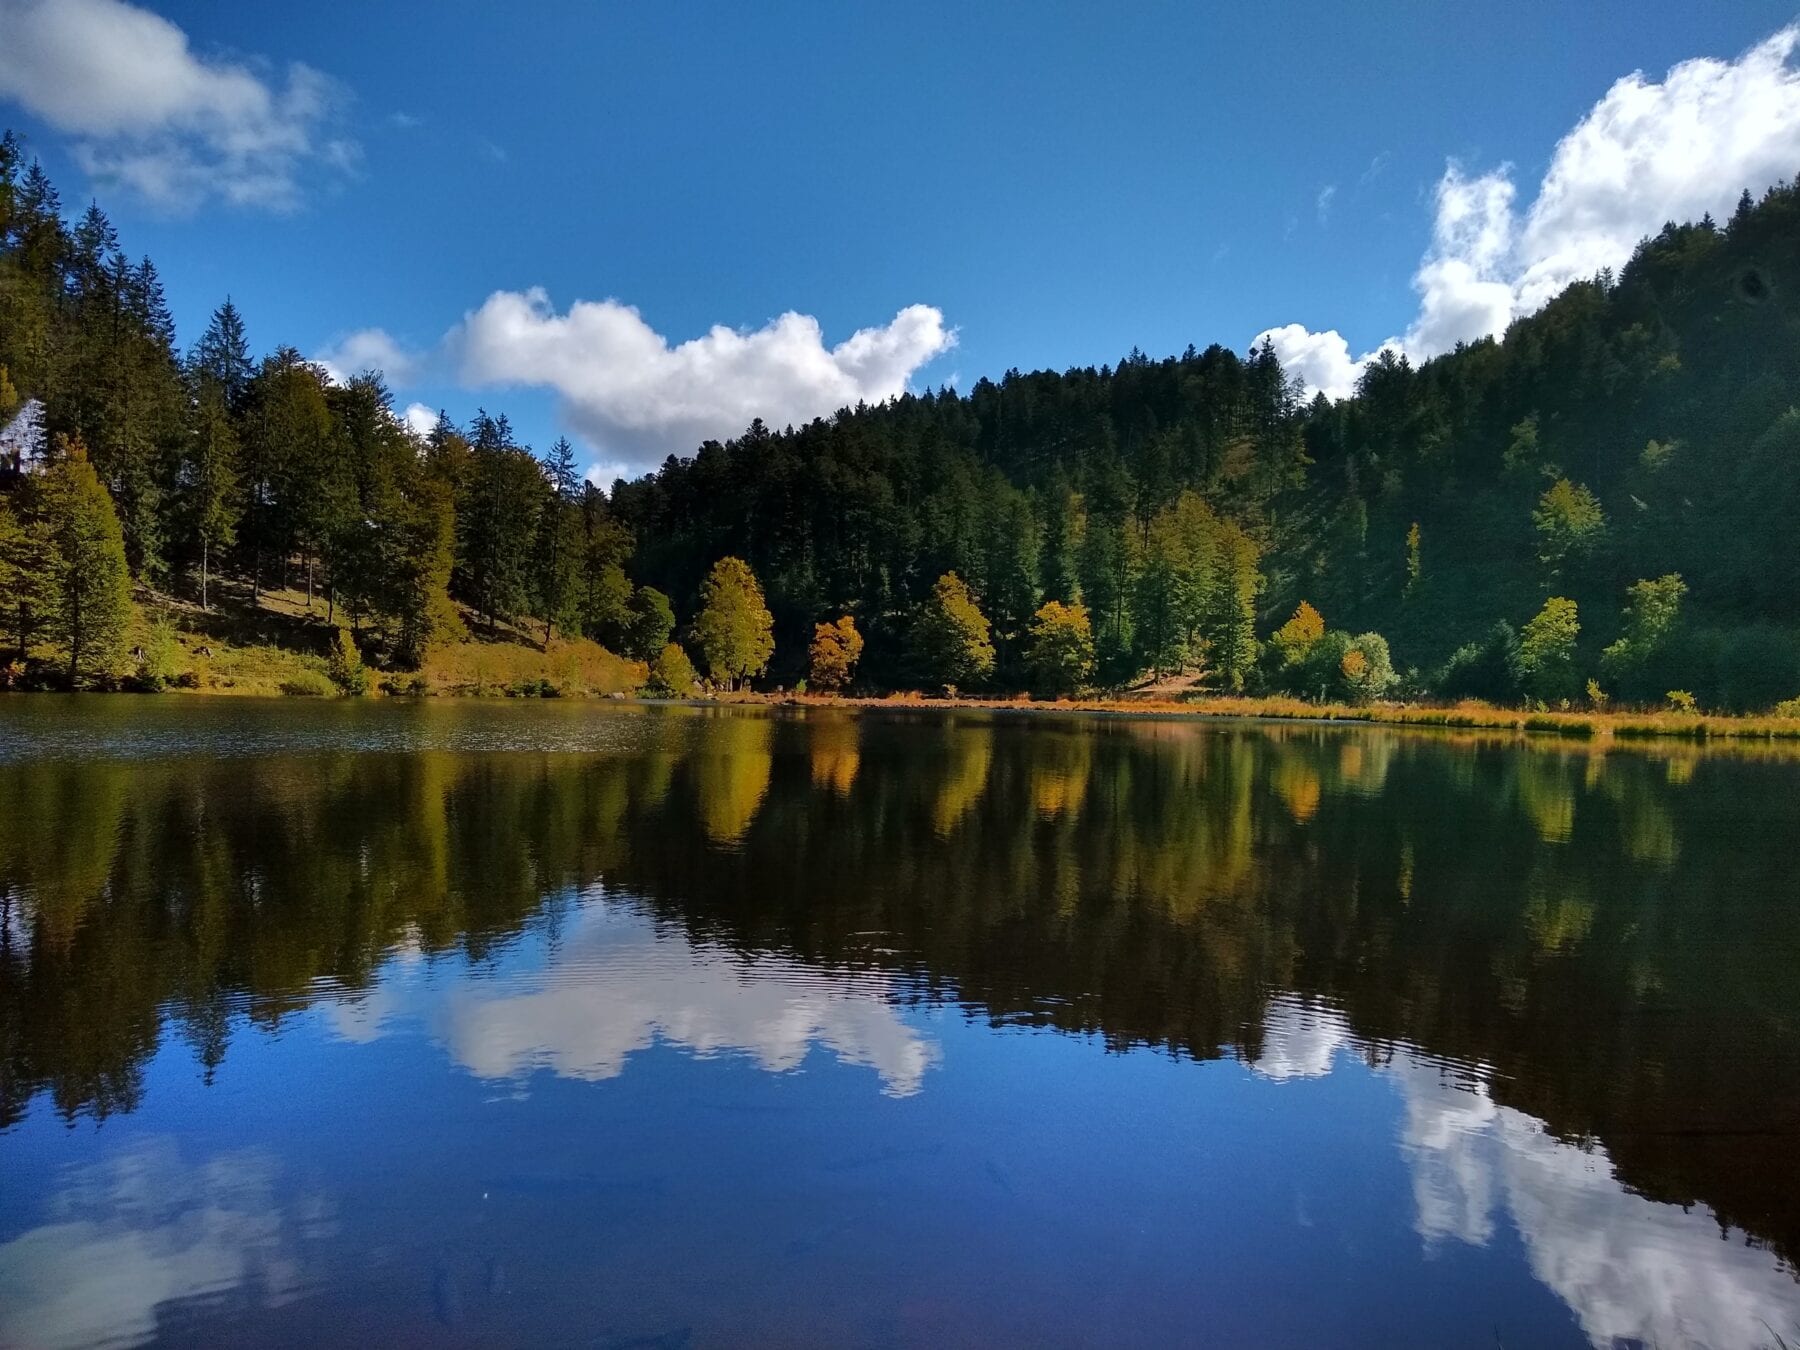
x: 1472, y: 716
x: 280, y: 644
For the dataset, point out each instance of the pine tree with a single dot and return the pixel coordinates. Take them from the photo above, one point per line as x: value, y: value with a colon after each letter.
x: 88, y: 591
x: 209, y: 477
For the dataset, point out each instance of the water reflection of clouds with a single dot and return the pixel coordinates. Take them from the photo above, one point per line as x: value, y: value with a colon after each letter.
x: 1633, y: 1270
x: 617, y: 984
x: 145, y: 1229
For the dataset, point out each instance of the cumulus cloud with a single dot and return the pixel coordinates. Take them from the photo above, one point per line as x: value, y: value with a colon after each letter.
x: 629, y: 987
x: 370, y: 349
x: 419, y: 419
x: 148, y: 1228
x: 1633, y: 1271
x: 625, y: 388
x: 1645, y: 154
x: 150, y: 115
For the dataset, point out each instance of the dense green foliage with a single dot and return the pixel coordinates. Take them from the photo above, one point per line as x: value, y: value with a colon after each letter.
x: 1641, y: 426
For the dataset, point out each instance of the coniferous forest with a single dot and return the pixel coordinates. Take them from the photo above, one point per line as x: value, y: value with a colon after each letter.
x: 1599, y: 507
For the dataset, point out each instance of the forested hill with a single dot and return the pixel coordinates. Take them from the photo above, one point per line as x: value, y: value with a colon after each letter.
x: 1638, y: 426
x: 1607, y: 495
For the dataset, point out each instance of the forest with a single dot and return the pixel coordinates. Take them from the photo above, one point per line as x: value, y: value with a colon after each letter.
x: 1596, y: 508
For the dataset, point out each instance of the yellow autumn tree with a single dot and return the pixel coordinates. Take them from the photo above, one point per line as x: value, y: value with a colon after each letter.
x: 836, y: 648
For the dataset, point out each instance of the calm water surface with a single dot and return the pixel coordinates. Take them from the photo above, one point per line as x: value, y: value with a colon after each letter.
x: 655, y: 1027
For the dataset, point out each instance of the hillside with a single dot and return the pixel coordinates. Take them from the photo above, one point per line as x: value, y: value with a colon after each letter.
x: 1596, y: 507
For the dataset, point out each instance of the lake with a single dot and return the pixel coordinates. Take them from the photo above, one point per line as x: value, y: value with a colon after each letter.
x: 635, y: 1026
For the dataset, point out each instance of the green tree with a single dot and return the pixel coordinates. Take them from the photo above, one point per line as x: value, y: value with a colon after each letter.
x: 209, y: 478
x: 1173, y: 577
x: 556, y: 564
x: 496, y: 521
x: 951, y: 636
x: 836, y: 648
x: 1546, y: 657
x: 1569, y: 526
x: 1229, y: 618
x: 24, y: 570
x: 426, y: 558
x: 672, y: 674
x: 1640, y: 663
x: 1061, y: 655
x: 652, y: 620
x: 735, y: 630
x: 88, y: 590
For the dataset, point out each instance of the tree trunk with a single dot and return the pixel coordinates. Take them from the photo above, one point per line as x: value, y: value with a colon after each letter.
x: 205, y: 554
x: 309, y: 581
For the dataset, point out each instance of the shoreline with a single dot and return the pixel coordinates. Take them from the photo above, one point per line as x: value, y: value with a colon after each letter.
x: 1587, y: 726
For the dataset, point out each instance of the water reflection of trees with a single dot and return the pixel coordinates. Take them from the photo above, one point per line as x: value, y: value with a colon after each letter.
x: 1611, y: 933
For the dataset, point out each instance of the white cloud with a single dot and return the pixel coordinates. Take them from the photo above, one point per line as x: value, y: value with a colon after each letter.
x: 370, y: 349
x: 1323, y: 360
x: 1300, y: 1040
x: 150, y: 115
x: 625, y: 388
x: 1633, y: 1271
x: 1645, y: 154
x: 419, y: 419
x: 146, y: 1228
x: 618, y: 987
x: 604, y: 475
x: 1323, y: 203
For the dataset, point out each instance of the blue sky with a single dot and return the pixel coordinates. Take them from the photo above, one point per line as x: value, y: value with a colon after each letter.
x: 1059, y: 183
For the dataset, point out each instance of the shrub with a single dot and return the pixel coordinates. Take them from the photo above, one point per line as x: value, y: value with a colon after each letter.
x: 671, y: 674
x: 1680, y: 701
x: 345, y: 666
x: 308, y: 684
x: 156, y: 659
x: 1482, y: 670
x: 1757, y: 666
x: 1373, y: 675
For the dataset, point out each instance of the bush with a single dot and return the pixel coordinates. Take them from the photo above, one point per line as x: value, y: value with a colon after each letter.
x: 1757, y: 667
x: 671, y: 674
x: 1482, y: 670
x: 345, y: 666
x: 308, y: 684
x: 1367, y: 668
x: 156, y: 659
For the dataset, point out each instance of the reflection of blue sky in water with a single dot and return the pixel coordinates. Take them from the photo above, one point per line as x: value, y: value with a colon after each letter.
x: 1632, y: 1270
x: 616, y: 985
x: 147, y: 1228
x: 1052, y: 1157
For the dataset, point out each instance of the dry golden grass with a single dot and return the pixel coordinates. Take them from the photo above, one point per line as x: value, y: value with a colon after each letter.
x: 1470, y: 715
x: 570, y: 668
